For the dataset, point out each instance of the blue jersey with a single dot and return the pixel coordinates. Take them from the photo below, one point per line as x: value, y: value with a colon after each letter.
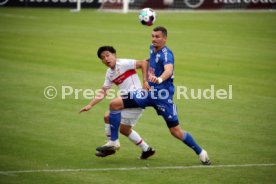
x: 162, y: 103
x: 156, y: 67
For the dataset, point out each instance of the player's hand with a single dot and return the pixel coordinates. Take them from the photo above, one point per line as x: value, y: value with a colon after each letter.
x: 153, y: 78
x: 86, y: 108
x: 146, y: 86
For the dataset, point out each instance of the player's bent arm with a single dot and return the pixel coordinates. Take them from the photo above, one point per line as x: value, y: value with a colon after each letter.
x: 144, y: 67
x: 168, y: 71
x: 99, y: 97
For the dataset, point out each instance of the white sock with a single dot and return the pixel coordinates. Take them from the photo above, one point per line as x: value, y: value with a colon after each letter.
x: 116, y: 142
x: 107, y: 131
x: 136, y: 139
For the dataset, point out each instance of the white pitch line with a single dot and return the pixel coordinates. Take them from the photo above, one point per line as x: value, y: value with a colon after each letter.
x: 17, y: 16
x: 133, y: 168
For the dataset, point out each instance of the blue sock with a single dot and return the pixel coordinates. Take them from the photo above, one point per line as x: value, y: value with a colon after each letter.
x: 189, y: 141
x: 114, y: 120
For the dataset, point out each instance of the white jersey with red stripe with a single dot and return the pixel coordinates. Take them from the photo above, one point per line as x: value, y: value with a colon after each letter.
x: 125, y: 77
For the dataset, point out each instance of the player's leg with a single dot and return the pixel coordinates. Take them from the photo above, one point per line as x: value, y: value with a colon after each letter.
x: 114, y: 120
x: 130, y: 118
x: 188, y: 139
x: 107, y: 133
x: 107, y: 126
x: 169, y: 114
x: 110, y: 142
x: 133, y: 136
x: 116, y: 105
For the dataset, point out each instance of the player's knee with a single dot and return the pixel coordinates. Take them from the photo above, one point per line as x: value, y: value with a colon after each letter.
x: 106, y: 117
x: 116, y: 104
x: 125, y: 130
x: 177, y: 132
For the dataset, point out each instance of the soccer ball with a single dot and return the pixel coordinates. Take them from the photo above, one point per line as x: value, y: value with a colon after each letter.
x: 147, y: 16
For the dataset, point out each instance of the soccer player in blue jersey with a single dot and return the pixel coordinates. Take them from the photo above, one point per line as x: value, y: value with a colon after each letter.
x: 159, y: 95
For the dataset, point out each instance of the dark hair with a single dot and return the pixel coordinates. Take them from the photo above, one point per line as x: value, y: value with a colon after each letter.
x: 162, y: 29
x: 105, y: 48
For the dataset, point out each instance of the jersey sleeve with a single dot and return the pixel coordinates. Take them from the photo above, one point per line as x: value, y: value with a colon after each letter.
x: 107, y: 82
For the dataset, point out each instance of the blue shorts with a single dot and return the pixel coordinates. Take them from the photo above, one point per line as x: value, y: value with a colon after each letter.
x: 163, y: 105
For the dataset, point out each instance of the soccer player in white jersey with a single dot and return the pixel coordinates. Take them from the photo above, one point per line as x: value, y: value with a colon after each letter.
x: 121, y: 72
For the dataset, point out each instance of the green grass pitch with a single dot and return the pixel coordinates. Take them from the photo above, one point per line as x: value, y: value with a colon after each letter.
x: 43, y: 47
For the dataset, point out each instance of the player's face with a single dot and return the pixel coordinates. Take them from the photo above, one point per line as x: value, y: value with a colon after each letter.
x: 109, y: 59
x: 158, y: 39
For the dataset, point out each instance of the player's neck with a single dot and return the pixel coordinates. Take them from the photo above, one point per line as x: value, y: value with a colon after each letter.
x: 156, y: 49
x: 113, y: 67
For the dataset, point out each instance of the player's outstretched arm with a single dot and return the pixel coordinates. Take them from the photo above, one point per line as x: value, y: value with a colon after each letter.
x: 99, y: 97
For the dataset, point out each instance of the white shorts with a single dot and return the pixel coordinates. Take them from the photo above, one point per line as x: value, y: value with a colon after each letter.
x: 131, y: 116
